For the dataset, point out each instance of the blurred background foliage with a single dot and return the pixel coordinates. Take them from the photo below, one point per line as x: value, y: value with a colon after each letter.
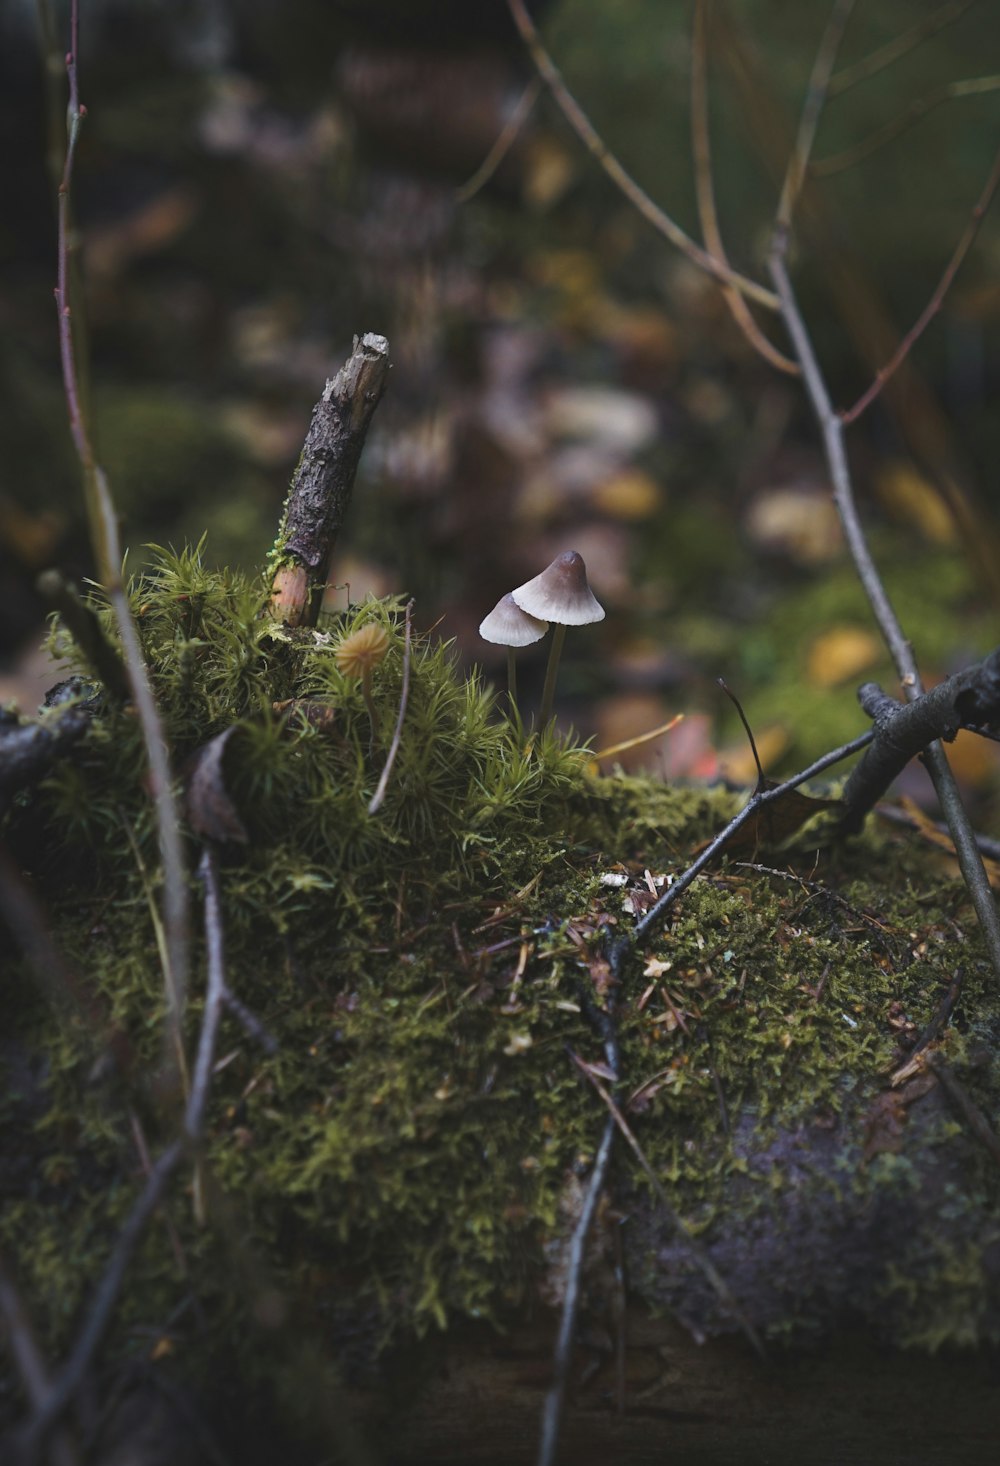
x: 257, y: 182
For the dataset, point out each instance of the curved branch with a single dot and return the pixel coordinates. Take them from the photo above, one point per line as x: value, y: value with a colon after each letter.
x: 876, y: 61
x: 705, y: 196
x: 836, y: 162
x: 832, y: 430
x: 816, y: 93
x: 106, y: 545
x: 598, y: 148
x: 936, y: 301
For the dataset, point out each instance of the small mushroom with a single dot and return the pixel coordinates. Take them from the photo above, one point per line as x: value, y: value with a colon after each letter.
x: 507, y: 625
x: 358, y: 655
x: 560, y: 594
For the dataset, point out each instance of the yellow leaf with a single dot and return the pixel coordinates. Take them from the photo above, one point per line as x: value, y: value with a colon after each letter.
x: 914, y: 500
x: 841, y: 653
x: 630, y: 494
x: 737, y: 762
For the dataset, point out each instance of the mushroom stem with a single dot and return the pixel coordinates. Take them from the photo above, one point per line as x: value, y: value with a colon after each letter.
x: 511, y: 680
x: 366, y: 693
x: 549, y: 690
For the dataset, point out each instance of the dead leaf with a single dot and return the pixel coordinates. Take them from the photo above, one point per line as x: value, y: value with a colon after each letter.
x: 210, y: 810
x: 884, y: 1124
x: 629, y: 494
x: 798, y: 521
x: 915, y: 501
x: 549, y: 170
x: 773, y: 823
x: 928, y: 831
x: 841, y: 653
x: 737, y: 763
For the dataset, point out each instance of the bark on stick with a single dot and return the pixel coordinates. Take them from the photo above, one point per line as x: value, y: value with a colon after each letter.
x: 970, y: 699
x: 324, y: 478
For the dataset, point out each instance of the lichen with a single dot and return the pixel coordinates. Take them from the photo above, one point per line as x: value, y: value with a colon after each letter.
x: 400, y: 1161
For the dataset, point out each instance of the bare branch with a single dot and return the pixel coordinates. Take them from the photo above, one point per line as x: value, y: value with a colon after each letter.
x: 158, y: 1177
x: 597, y: 147
x: 705, y: 194
x: 832, y: 429
x: 107, y: 553
x: 878, y: 60
x: 819, y: 81
x: 936, y: 301
x: 556, y: 1397
x: 838, y: 162
x: 88, y: 633
x: 503, y: 144
x: 30, y: 1364
x: 902, y: 730
x: 966, y: 1107
x: 711, y: 1272
x: 105, y: 1296
x: 759, y: 798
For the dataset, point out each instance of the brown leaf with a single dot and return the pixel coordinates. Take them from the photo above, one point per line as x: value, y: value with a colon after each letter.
x: 210, y: 810
x: 884, y: 1126
x: 928, y: 831
x: 772, y: 823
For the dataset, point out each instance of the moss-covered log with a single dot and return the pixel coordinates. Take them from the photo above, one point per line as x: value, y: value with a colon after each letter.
x: 393, y: 1187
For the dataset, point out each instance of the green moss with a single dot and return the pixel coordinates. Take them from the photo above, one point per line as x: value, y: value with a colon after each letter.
x: 402, y: 1159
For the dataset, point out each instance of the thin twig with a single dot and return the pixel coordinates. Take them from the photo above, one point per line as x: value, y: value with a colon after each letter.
x: 705, y: 194
x: 837, y: 162
x: 105, y: 1296
x: 819, y: 81
x: 876, y: 61
x: 987, y: 844
x: 70, y: 996
x: 30, y: 1364
x: 107, y: 554
x: 965, y: 1105
x: 603, y: 1021
x: 108, y: 1289
x: 937, y: 299
x: 85, y: 627
x: 503, y: 144
x: 597, y: 147
x: 832, y: 430
x: 711, y: 1272
x: 945, y: 1009
x: 757, y: 799
x: 746, y: 727
x: 219, y: 991
x: 556, y: 1398
x: 201, y: 1077
x: 383, y: 783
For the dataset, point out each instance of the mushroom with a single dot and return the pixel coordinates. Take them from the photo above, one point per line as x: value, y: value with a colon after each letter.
x: 507, y: 625
x: 358, y: 655
x: 562, y: 595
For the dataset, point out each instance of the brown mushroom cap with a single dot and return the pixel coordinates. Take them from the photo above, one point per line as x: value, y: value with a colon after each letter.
x: 561, y: 593
x: 358, y: 653
x: 508, y: 625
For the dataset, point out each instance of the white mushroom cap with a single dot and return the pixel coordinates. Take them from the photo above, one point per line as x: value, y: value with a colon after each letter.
x: 508, y: 625
x: 561, y: 593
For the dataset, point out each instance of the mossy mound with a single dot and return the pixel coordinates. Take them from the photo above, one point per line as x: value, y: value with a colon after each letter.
x: 410, y: 1153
